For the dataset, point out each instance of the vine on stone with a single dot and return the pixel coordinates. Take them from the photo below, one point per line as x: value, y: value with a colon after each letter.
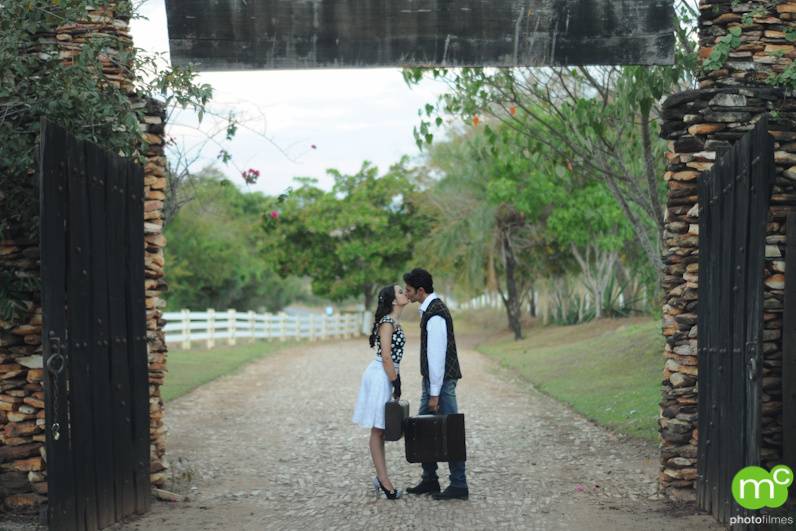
x: 45, y: 74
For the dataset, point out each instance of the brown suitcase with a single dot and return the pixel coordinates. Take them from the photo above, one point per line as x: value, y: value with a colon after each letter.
x: 395, y: 411
x: 435, y: 438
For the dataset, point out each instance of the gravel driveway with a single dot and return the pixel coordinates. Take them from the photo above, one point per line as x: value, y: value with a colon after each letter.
x: 273, y: 447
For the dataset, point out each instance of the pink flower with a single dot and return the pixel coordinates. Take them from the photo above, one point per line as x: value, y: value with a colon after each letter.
x: 274, y: 214
x: 579, y: 488
x: 251, y: 175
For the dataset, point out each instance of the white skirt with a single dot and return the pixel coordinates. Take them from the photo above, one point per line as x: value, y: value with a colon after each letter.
x: 374, y: 392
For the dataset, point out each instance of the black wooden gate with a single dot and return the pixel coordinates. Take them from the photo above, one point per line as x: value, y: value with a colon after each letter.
x: 734, y: 199
x: 95, y: 351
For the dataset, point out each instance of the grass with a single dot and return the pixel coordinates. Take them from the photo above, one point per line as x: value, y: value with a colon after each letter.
x: 609, y: 370
x: 188, y: 369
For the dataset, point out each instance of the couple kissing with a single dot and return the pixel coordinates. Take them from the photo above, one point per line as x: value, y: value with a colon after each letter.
x: 439, y: 369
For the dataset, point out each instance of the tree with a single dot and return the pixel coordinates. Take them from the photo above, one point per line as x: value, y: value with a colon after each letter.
x: 352, y: 239
x: 216, y: 251
x: 595, y: 229
x: 483, y: 235
x: 73, y: 92
x: 573, y: 209
x: 600, y: 119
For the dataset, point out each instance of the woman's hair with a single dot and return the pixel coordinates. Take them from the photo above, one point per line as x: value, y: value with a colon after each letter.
x: 386, y: 298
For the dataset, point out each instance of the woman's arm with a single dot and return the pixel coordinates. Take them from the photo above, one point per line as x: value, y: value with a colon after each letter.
x: 385, y: 339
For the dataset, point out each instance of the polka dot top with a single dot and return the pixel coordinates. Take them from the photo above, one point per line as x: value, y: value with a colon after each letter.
x: 398, y: 341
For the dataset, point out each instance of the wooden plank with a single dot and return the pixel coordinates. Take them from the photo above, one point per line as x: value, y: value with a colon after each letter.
x: 736, y: 374
x: 704, y: 327
x: 272, y: 34
x: 138, y: 364
x: 124, y: 495
x: 724, y: 416
x: 761, y: 170
x: 701, y: 329
x: 789, y: 352
x: 61, y: 511
x: 99, y: 347
x: 713, y: 349
x: 79, y: 319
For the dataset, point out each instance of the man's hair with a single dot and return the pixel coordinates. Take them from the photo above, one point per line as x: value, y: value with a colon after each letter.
x: 420, y: 278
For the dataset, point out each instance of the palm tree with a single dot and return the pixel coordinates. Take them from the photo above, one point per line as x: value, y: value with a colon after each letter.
x: 474, y: 239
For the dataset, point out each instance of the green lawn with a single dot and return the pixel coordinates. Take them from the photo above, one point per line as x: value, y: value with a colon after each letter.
x: 188, y: 369
x: 610, y: 370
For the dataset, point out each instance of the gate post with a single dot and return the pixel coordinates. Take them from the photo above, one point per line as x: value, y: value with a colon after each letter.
x: 252, y: 326
x: 186, y: 329
x: 211, y: 328
x: 231, y: 326
x: 701, y: 125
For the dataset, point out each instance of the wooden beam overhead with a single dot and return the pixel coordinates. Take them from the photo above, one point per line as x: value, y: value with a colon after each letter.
x: 297, y: 34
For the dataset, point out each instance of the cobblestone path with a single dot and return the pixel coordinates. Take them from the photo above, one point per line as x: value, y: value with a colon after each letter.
x: 273, y: 447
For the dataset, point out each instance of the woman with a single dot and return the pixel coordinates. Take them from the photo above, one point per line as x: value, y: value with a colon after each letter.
x: 380, y: 378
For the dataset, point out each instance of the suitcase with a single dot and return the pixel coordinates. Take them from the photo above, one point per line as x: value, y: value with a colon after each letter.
x: 395, y: 412
x: 435, y: 438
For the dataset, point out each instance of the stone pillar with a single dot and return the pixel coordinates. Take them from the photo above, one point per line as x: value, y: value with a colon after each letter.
x: 155, y: 285
x: 23, y: 485
x: 700, y: 126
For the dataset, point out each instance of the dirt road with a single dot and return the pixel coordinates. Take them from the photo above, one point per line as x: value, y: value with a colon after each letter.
x: 273, y: 447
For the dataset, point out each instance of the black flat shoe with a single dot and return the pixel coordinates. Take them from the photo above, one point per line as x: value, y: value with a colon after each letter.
x: 452, y: 493
x: 391, y: 495
x: 425, y: 487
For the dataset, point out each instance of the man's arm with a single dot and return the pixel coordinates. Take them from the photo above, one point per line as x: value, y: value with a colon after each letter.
x: 437, y: 348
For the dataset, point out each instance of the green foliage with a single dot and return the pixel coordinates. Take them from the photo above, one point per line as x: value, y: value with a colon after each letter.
x: 785, y: 79
x: 13, y: 290
x: 350, y: 240
x: 577, y: 119
x: 37, y: 83
x: 589, y: 215
x: 216, y: 254
x: 575, y: 311
x: 721, y: 51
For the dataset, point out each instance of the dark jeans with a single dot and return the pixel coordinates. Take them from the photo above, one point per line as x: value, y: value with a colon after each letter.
x: 447, y: 406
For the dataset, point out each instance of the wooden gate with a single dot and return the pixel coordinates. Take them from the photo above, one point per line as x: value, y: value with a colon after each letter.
x: 734, y: 199
x: 94, y: 333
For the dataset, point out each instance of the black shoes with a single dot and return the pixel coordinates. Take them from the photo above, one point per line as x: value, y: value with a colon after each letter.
x: 452, y: 493
x: 425, y: 487
x: 391, y: 495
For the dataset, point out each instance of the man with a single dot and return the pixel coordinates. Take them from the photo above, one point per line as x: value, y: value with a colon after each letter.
x: 439, y: 366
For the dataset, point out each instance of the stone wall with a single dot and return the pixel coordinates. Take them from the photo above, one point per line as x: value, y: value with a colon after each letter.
x: 700, y: 125
x: 23, y: 463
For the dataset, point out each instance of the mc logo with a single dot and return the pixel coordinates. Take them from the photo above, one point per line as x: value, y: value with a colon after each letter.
x: 754, y: 488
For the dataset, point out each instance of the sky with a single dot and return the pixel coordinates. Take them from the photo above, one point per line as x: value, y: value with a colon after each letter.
x: 347, y: 115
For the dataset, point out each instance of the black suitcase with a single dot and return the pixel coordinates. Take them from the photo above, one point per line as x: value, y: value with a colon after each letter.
x: 395, y: 411
x: 435, y: 438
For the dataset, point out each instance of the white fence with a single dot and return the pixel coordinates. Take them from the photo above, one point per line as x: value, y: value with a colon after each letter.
x: 228, y: 327
x: 487, y: 300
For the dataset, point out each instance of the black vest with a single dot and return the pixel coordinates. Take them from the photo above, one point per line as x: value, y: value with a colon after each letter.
x: 452, y: 370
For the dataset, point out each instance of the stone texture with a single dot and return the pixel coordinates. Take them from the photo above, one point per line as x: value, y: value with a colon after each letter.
x: 21, y: 373
x: 727, y: 104
x: 533, y: 464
